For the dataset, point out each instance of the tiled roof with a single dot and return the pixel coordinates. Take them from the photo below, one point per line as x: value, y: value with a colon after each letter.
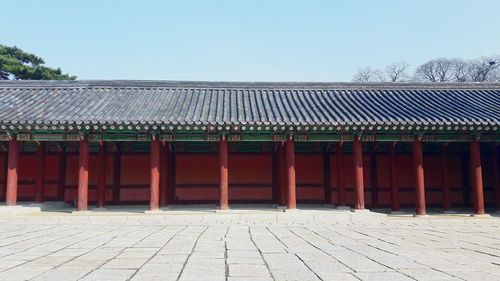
x: 239, y: 103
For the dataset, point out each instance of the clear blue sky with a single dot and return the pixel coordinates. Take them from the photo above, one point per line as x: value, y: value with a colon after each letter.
x: 250, y: 40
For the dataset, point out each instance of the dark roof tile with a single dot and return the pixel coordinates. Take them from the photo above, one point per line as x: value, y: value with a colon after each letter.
x: 179, y: 102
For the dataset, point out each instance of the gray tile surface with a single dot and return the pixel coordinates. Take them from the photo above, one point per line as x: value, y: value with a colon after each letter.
x: 408, y: 249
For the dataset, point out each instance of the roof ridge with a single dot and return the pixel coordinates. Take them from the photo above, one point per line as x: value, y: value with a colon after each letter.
x: 236, y: 84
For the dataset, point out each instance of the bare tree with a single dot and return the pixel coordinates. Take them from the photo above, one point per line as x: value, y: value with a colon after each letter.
x: 460, y: 72
x: 484, y: 69
x: 368, y: 74
x: 436, y: 70
x: 397, y: 72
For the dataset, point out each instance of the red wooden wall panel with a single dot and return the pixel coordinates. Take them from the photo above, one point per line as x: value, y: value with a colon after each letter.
x: 134, y: 170
x: 72, y: 169
x: 309, y: 177
x: 51, y: 167
x: 348, y: 172
x: 250, y: 169
x: 383, y: 171
x: 71, y: 182
x: 309, y: 169
x: 250, y: 177
x: 197, y: 177
x: 432, y: 170
x: 27, y: 174
x: 197, y: 169
x: 3, y: 163
x: 27, y: 168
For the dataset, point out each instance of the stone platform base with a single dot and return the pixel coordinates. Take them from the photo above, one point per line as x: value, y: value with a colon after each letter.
x: 19, y: 209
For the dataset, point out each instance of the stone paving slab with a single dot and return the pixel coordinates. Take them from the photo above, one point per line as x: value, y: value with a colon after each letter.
x: 58, y: 247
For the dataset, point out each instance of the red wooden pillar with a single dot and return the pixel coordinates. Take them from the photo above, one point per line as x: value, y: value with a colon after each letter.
x: 164, y: 174
x: 223, y: 174
x: 154, y: 187
x: 477, y: 177
x: 40, y: 173
x: 11, y: 192
x: 359, y: 188
x: 290, y: 178
x: 418, y: 163
x: 496, y: 182
x: 101, y: 181
x: 445, y: 179
x: 339, y: 157
x: 282, y: 174
x: 393, y: 178
x: 83, y: 175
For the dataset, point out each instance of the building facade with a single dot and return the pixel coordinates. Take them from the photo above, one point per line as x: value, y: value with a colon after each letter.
x: 166, y: 142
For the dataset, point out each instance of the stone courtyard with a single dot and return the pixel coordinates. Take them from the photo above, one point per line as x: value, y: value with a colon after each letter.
x: 203, y: 246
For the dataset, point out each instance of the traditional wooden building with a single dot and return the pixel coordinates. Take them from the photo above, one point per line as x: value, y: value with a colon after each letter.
x: 166, y: 142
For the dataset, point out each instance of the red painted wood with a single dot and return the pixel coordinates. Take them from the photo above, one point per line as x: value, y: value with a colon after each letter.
x: 359, y: 188
x: 223, y: 175
x: 252, y: 172
x: 341, y: 197
x: 83, y: 175
x: 477, y: 177
x: 250, y: 193
x: 135, y: 169
x: 51, y: 169
x: 171, y: 175
x: 373, y: 171
x: 327, y: 178
x: 419, y: 177
x: 250, y: 169
x: 395, y: 205
x: 311, y: 194
x: 275, y: 175
x: 3, y: 174
x: 164, y: 174
x: 433, y: 174
x: 290, y: 165
x: 135, y: 194
x: 101, y: 181
x: 27, y: 172
x: 309, y: 169
x: 496, y: 181
x: 154, y: 186
x: 61, y: 183
x: 282, y: 174
x: 40, y: 175
x: 197, y: 169
x: 197, y: 194
x: 309, y: 175
x: 117, y: 166
x: 12, y: 176
x: 445, y: 184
